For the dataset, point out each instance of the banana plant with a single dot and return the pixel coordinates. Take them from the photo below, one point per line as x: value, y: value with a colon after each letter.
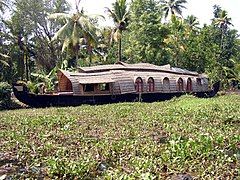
x: 49, y: 80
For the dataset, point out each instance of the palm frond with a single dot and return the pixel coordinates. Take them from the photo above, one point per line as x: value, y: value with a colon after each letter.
x: 40, y: 76
x: 125, y: 16
x: 112, y: 14
x: 66, y: 43
x: 163, y: 2
x: 59, y: 16
x: 75, y: 37
x: 60, y: 33
x: 173, y: 6
x: 4, y: 55
x: 181, y: 6
x: 177, y: 11
x: 180, y: 1
x: 116, y: 35
x: 4, y: 63
x: 97, y: 16
x: 166, y: 13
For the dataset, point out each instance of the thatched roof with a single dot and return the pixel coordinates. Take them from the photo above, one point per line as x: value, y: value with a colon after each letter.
x: 123, y: 71
x: 135, y: 67
x: 89, y: 78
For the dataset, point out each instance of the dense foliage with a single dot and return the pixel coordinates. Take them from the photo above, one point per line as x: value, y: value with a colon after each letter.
x: 198, y: 137
x: 166, y: 140
x: 146, y: 35
x: 5, y: 95
x: 39, y: 36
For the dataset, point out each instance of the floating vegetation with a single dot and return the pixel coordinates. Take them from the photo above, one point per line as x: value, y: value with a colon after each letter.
x: 186, y: 137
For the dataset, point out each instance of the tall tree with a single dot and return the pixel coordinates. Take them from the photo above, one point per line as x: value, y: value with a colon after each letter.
x: 4, y: 64
x: 175, y: 41
x: 223, y: 22
x: 77, y: 31
x: 120, y: 15
x: 146, y: 33
x: 30, y: 30
x: 106, y: 50
x: 192, y: 22
x: 225, y: 40
x: 172, y: 7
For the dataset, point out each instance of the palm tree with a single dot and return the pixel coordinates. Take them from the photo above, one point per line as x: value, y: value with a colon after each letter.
x: 104, y: 43
x: 223, y: 22
x: 172, y: 7
x: 77, y: 31
x: 192, y: 23
x: 120, y: 16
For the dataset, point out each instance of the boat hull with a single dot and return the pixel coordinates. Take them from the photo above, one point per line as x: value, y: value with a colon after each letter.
x: 48, y: 100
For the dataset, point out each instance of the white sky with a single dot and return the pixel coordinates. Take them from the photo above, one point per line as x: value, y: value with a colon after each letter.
x: 202, y: 9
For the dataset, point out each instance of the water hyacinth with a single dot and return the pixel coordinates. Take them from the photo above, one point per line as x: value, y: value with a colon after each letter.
x: 185, y: 137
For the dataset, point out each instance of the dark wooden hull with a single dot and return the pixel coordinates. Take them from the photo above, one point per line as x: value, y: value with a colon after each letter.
x: 47, y: 100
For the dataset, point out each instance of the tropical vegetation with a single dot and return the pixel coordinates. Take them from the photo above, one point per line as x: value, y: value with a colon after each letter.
x: 186, y: 138
x: 173, y: 7
x: 119, y: 14
x: 38, y: 37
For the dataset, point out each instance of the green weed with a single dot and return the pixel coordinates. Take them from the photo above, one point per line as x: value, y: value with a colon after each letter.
x: 186, y: 135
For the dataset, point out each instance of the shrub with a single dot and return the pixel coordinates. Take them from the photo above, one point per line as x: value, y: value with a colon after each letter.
x: 5, y: 95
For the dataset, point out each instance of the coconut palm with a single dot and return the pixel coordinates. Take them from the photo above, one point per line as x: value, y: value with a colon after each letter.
x: 172, y: 7
x: 223, y: 22
x: 192, y: 23
x: 120, y: 16
x: 77, y: 31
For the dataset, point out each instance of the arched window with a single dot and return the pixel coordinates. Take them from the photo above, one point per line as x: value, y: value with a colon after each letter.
x: 139, y: 85
x: 180, y: 84
x: 151, y: 85
x: 189, y: 84
x: 166, y: 84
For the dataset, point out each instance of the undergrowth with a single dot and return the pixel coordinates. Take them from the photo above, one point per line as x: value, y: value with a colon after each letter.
x: 186, y: 135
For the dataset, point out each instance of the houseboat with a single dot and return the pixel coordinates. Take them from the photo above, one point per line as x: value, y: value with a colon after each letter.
x: 120, y: 82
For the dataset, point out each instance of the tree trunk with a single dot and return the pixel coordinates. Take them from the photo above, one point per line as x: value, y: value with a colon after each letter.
x: 90, y: 54
x: 222, y: 36
x: 76, y: 60
x: 21, y: 63
x: 26, y: 66
x: 120, y: 48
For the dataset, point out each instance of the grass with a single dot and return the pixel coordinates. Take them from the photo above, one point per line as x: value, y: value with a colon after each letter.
x: 162, y: 140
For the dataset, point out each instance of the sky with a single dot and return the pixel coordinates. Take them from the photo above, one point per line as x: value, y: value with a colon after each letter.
x: 202, y: 9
